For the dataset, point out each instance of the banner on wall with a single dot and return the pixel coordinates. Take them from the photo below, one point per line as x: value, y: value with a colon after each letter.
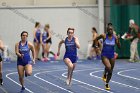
x: 126, y: 2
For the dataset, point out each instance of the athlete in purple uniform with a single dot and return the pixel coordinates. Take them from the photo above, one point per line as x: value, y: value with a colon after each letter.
x: 107, y: 55
x: 1, y: 48
x: 22, y: 50
x: 37, y: 39
x: 70, y: 58
x: 46, y: 43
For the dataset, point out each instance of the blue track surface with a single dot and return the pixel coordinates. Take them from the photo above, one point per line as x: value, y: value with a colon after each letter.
x: 50, y: 77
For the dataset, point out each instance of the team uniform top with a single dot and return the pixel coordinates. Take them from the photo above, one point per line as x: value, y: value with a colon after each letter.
x: 44, y: 36
x: 71, y: 50
x: 24, y: 49
x: 108, y: 47
x: 38, y: 33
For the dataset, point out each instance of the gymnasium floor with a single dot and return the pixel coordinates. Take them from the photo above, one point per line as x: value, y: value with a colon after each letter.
x: 49, y: 77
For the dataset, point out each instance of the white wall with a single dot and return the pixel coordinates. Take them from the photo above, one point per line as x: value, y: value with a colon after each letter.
x: 64, y: 2
x: 17, y: 2
x: 14, y: 21
x: 47, y: 2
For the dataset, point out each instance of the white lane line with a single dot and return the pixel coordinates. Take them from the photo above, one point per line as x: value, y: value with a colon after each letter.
x: 35, y: 75
x: 3, y: 89
x: 119, y: 73
x: 86, y: 83
x: 42, y: 87
x: 89, y: 89
x: 91, y: 74
x: 7, y: 76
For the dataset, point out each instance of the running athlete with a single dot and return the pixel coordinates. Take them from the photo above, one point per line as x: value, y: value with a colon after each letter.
x: 107, y: 55
x: 114, y: 33
x: 1, y: 48
x: 70, y: 58
x: 24, y: 61
x: 96, y: 46
x: 46, y: 43
x: 37, y: 39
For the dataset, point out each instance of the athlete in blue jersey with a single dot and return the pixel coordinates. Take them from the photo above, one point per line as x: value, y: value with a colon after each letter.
x: 71, y: 44
x: 1, y: 48
x: 22, y: 50
x: 46, y: 43
x: 37, y: 39
x: 107, y: 55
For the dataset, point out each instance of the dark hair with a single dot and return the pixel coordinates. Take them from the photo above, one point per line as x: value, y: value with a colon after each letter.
x: 23, y: 33
x: 70, y: 29
x: 109, y: 24
x: 94, y: 29
x: 36, y: 24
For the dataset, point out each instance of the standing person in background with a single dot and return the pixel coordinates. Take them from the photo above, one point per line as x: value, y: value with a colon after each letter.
x: 46, y: 43
x: 138, y: 34
x: 133, y: 30
x: 96, y: 46
x: 70, y: 58
x: 107, y: 55
x: 37, y: 39
x: 24, y: 62
x: 1, y: 48
x: 132, y: 35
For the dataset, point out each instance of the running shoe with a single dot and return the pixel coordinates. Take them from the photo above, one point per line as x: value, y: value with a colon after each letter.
x: 1, y: 81
x: 22, y: 90
x: 104, y: 77
x: 107, y: 87
x: 67, y: 82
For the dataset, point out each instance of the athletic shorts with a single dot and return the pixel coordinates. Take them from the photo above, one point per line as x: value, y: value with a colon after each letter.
x: 23, y: 62
x: 72, y: 58
x: 109, y: 56
x: 0, y: 59
x: 37, y: 39
x: 49, y: 41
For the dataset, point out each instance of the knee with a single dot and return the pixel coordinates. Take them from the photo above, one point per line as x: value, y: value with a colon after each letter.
x: 29, y: 73
x: 108, y: 68
x: 70, y: 66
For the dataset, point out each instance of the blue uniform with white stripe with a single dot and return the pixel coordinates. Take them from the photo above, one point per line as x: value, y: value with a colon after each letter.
x: 38, y: 33
x: 71, y: 50
x: 108, y: 47
x: 24, y: 49
x: 44, y: 37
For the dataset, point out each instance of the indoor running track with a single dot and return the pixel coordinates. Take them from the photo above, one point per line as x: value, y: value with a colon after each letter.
x: 49, y: 77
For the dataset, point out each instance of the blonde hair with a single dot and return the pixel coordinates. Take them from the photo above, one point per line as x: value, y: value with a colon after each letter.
x: 47, y: 25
